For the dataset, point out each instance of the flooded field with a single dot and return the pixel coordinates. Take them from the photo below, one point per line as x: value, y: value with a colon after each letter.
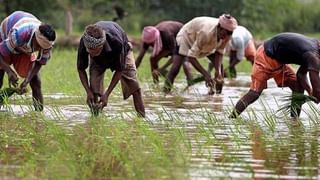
x: 262, y: 144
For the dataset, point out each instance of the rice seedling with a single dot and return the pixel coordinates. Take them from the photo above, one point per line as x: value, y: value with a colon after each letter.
x: 6, y: 93
x: 294, y: 102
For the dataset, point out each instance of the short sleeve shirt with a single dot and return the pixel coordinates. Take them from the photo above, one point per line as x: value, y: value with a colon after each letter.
x: 291, y: 48
x: 115, y: 50
x: 200, y: 36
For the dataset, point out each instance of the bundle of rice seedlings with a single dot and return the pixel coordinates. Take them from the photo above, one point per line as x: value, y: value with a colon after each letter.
x: 294, y: 102
x: 6, y: 93
x: 95, y: 110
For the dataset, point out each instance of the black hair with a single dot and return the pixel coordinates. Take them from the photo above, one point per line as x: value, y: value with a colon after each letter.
x: 48, y: 31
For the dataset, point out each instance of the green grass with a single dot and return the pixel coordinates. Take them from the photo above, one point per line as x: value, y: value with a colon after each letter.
x: 60, y: 74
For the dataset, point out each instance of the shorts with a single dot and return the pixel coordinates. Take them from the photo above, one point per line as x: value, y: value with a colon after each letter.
x: 265, y: 68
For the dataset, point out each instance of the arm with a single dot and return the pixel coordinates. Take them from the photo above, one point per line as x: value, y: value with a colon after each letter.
x: 154, y: 68
x: 114, y: 81
x: 34, y: 70
x: 199, y: 68
x: 302, y: 79
x: 82, y: 65
x: 313, y: 63
x: 315, y: 82
x: 84, y: 80
x: 85, y: 83
x: 244, y: 102
x: 216, y: 60
x: 13, y: 78
x: 154, y: 62
x: 119, y: 62
x: 143, y: 50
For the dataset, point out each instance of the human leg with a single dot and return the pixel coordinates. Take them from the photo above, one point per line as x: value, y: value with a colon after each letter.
x: 177, y: 61
x: 138, y: 103
x: 216, y: 60
x: 130, y: 86
x: 187, y: 68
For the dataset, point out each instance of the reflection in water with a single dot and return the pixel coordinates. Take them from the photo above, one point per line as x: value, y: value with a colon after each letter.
x: 258, y: 151
x: 217, y: 102
x: 258, y: 146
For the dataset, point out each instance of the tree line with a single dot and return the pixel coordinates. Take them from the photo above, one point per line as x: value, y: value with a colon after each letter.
x: 259, y: 16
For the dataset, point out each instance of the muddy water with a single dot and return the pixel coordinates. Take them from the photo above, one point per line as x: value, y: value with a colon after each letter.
x: 259, y: 146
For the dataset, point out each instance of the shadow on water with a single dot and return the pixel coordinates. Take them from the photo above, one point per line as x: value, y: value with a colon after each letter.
x: 260, y: 144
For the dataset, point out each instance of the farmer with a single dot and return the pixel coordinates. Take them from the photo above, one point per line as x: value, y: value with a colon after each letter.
x: 103, y: 46
x: 200, y: 37
x: 162, y: 38
x: 272, y: 61
x: 241, y: 45
x: 21, y: 36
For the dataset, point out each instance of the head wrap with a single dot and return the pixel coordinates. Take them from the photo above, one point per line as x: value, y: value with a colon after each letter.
x: 92, y: 42
x: 151, y: 35
x: 228, y: 22
x: 43, y: 42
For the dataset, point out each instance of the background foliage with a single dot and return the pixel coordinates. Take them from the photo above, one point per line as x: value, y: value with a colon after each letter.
x: 259, y: 16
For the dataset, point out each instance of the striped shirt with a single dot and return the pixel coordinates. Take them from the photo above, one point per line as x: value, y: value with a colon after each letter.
x: 16, y: 32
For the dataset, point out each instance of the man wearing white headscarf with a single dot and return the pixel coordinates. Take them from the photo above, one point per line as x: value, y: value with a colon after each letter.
x: 241, y: 45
